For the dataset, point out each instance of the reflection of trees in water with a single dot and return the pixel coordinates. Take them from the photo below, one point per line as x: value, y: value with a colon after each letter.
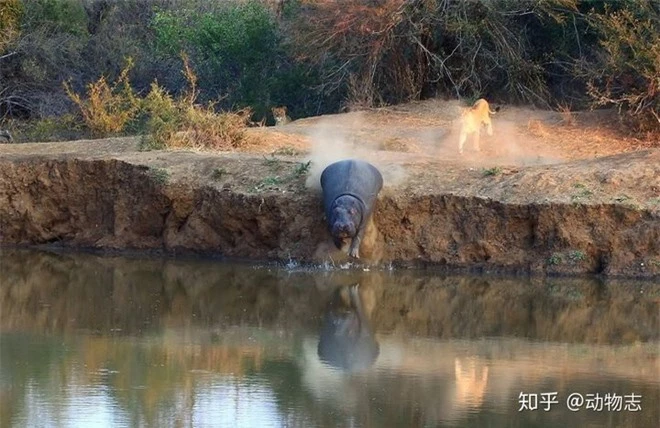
x: 46, y: 292
x: 161, y: 320
x: 50, y: 292
x: 571, y: 310
x: 157, y: 380
x: 149, y: 379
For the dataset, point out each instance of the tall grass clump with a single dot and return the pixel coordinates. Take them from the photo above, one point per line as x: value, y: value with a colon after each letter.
x: 107, y: 108
x: 181, y: 122
x: 165, y: 121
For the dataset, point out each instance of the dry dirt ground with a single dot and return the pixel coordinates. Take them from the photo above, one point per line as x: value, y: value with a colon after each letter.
x: 554, y: 156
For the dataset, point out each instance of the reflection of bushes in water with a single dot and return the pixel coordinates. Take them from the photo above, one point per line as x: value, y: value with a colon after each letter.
x: 148, y: 377
x: 571, y: 310
x: 130, y: 294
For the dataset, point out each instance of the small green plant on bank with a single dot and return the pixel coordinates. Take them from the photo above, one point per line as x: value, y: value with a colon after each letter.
x: 555, y: 259
x: 272, y: 161
x: 654, y: 201
x: 147, y: 143
x: 302, y: 169
x: 268, y: 183
x: 489, y: 172
x: 159, y: 175
x: 576, y: 256
x: 217, y: 173
x: 581, y: 192
x: 272, y: 182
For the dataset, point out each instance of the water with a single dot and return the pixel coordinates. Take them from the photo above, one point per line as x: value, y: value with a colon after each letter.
x: 87, y: 341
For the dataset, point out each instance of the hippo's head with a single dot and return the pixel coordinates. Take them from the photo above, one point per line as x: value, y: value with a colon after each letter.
x: 346, y: 216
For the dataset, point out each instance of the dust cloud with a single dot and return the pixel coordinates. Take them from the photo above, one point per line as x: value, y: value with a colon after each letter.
x: 515, y: 140
x: 332, y: 141
x: 427, y: 133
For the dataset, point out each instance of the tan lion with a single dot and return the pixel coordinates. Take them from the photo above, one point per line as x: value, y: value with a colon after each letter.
x: 472, y: 119
x: 281, y: 118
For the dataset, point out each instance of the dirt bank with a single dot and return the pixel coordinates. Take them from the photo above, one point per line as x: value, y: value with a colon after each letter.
x: 518, y: 213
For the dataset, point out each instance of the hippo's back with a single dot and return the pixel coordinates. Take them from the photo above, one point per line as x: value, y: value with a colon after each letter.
x: 351, y: 176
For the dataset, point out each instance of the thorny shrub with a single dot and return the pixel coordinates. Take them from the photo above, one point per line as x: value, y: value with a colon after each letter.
x: 628, y: 71
x: 395, y: 50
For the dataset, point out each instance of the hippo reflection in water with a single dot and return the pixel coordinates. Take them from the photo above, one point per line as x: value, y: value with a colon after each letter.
x: 347, y: 341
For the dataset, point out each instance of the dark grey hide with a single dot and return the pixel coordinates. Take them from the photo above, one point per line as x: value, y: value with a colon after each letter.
x: 350, y: 188
x: 346, y: 341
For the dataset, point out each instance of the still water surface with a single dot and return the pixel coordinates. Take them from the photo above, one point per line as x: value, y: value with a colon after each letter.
x: 89, y: 341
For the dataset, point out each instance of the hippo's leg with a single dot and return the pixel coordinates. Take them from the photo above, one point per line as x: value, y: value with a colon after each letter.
x: 354, y: 250
x: 339, y: 243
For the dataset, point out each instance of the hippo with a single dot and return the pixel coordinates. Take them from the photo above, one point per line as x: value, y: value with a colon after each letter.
x: 350, y: 189
x: 346, y: 340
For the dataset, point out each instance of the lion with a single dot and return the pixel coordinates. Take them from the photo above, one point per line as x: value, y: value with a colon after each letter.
x: 281, y: 118
x: 470, y: 386
x: 472, y: 119
x: 5, y: 136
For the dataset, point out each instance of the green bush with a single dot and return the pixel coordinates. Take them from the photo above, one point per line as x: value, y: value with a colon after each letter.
x: 236, y: 47
x: 59, y: 16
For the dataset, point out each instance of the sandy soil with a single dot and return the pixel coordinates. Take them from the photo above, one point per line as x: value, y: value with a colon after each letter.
x: 415, y: 146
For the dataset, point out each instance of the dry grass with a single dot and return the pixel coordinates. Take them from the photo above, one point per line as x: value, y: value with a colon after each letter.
x: 537, y: 128
x: 567, y: 116
x: 182, y: 123
x: 107, y: 109
x: 167, y: 122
